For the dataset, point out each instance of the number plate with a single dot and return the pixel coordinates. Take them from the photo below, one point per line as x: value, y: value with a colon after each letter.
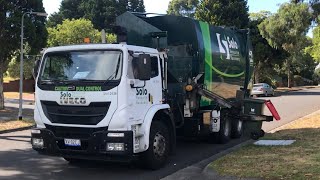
x: 72, y: 142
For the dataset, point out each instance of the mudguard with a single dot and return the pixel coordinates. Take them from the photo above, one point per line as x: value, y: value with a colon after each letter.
x: 146, y: 125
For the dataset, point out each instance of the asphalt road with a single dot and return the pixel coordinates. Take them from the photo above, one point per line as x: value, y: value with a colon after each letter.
x: 19, y: 161
x: 294, y: 105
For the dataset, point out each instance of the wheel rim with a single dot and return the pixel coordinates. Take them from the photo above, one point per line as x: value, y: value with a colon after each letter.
x: 227, y: 128
x: 239, y: 125
x: 159, y: 145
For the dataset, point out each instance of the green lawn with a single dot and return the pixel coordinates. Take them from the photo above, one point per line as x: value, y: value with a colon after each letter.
x: 300, y: 160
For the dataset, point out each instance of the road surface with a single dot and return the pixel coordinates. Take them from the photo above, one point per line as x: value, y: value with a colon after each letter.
x: 19, y: 161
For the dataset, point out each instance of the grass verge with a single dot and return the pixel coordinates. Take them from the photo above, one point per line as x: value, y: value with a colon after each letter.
x: 300, y: 160
x: 14, y: 124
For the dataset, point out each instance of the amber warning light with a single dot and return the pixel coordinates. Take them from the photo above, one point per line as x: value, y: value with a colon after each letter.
x: 86, y: 40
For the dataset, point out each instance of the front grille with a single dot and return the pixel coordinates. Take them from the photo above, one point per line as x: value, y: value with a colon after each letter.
x: 82, y: 115
x: 74, y: 132
x: 84, y: 134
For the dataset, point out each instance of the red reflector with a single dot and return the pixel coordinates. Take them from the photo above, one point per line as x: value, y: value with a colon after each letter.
x: 272, y: 109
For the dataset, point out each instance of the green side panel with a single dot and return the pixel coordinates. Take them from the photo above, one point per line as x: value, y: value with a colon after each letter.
x: 208, y: 59
x: 223, y: 55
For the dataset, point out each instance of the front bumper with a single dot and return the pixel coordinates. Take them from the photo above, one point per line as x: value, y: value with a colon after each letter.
x: 93, y: 143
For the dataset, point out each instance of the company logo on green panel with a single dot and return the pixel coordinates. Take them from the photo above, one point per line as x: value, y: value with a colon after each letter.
x: 228, y: 49
x: 227, y: 46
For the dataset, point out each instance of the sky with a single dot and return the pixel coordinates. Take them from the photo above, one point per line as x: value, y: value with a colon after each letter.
x: 160, y: 6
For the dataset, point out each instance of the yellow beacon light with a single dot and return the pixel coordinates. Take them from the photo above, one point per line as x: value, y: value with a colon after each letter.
x: 189, y: 88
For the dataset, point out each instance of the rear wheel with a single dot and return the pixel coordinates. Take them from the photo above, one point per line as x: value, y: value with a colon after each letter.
x: 237, y: 128
x: 159, y: 146
x: 223, y: 136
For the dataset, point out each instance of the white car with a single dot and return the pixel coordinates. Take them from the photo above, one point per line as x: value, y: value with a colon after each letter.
x: 262, y: 89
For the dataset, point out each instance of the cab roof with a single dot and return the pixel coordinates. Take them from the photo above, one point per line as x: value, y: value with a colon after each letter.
x: 101, y: 47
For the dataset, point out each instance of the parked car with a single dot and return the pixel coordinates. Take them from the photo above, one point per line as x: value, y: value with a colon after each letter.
x: 262, y: 89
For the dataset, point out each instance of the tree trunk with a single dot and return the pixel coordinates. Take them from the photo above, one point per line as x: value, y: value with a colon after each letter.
x: 289, y: 73
x: 257, y: 71
x: 1, y: 85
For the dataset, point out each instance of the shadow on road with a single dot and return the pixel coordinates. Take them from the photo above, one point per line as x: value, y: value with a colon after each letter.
x: 28, y: 164
x: 16, y: 138
x: 301, y: 93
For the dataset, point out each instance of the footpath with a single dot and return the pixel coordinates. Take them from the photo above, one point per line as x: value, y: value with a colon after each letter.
x: 9, y: 116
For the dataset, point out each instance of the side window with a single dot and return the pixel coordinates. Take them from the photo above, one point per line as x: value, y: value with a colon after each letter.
x: 154, y: 67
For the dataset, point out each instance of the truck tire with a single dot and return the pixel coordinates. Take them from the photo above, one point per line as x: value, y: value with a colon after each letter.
x: 223, y: 136
x: 236, y: 128
x: 159, y: 146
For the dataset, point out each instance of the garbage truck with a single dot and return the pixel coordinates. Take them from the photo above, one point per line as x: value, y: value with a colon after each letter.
x: 167, y: 76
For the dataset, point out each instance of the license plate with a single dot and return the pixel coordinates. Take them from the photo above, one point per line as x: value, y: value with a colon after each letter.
x: 72, y: 142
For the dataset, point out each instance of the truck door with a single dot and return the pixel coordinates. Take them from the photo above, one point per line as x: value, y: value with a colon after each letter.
x: 144, y: 94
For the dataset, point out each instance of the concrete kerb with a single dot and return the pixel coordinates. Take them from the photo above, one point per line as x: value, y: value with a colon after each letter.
x: 193, y: 171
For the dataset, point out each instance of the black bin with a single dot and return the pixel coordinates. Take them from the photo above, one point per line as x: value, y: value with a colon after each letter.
x: 253, y: 106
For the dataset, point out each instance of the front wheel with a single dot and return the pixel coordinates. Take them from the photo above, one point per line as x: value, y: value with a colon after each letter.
x: 73, y: 160
x: 159, y: 145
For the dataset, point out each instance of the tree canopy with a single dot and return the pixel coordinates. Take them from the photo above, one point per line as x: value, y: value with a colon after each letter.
x: 10, y: 24
x: 73, y: 32
x: 287, y: 29
x: 182, y: 7
x: 265, y: 56
x: 101, y: 13
x: 224, y: 12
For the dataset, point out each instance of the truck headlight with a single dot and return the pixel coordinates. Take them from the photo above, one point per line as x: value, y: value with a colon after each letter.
x: 37, y: 142
x: 115, y: 146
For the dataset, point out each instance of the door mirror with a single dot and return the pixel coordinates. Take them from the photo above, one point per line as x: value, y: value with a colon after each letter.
x: 35, y: 70
x: 142, y: 67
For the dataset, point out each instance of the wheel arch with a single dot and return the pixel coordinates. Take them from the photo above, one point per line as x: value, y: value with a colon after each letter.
x: 159, y: 113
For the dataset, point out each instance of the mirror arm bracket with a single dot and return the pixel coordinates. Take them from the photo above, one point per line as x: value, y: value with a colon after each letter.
x: 144, y: 85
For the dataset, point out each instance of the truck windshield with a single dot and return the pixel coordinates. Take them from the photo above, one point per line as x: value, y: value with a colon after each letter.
x: 82, y: 65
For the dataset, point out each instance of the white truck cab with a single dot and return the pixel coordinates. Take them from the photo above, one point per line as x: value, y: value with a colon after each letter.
x: 99, y: 101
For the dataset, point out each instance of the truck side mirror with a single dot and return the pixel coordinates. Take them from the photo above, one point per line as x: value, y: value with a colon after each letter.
x: 142, y: 67
x: 35, y: 70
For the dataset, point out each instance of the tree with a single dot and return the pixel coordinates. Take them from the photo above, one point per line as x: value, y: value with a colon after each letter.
x: 14, y: 67
x: 287, y: 29
x: 10, y: 23
x: 314, y: 7
x: 136, y: 6
x: 224, y: 12
x: 54, y: 19
x: 265, y: 56
x: 102, y: 13
x: 183, y: 7
x: 74, y: 32
x: 314, y: 49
